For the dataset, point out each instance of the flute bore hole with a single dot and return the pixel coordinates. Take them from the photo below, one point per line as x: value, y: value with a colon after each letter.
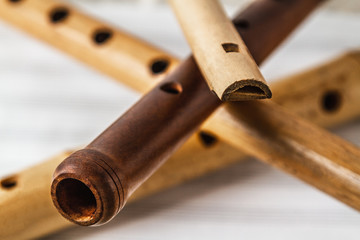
x: 9, y: 182
x: 59, y: 14
x: 102, y: 36
x: 230, y: 47
x: 172, y: 88
x: 243, y: 24
x: 331, y: 101
x: 14, y: 1
x: 76, y: 200
x: 251, y: 90
x: 159, y: 66
x: 207, y: 139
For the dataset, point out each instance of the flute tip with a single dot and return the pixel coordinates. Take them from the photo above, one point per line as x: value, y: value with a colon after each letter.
x: 246, y: 90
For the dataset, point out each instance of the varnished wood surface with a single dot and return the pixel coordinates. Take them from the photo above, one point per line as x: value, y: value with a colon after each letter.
x: 126, y: 154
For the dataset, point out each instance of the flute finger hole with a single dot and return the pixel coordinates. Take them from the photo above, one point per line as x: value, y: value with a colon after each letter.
x: 331, y: 101
x: 159, y: 66
x: 59, y: 14
x: 207, y: 139
x: 172, y: 88
x: 230, y: 47
x: 76, y: 200
x: 9, y: 182
x: 102, y: 36
x: 242, y: 23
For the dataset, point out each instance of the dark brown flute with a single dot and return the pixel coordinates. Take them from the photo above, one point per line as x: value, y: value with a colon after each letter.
x: 92, y: 185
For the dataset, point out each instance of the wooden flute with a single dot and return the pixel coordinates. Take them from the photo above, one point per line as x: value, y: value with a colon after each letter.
x: 219, y: 51
x: 26, y: 193
x: 92, y: 185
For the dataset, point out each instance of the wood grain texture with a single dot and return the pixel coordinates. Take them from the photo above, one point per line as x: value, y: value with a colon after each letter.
x: 220, y: 53
x: 29, y: 203
x: 292, y: 144
x: 335, y: 100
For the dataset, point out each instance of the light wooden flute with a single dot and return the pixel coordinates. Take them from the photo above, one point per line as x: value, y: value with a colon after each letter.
x: 220, y: 53
x: 91, y: 41
x: 317, y: 157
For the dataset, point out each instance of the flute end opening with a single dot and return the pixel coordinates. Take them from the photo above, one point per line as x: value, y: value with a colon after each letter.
x: 246, y: 90
x: 76, y: 200
x: 85, y: 191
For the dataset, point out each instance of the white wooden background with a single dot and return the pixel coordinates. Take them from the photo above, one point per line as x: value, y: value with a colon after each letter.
x: 49, y: 102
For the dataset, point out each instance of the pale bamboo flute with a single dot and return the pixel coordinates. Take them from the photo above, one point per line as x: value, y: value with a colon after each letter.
x: 220, y: 53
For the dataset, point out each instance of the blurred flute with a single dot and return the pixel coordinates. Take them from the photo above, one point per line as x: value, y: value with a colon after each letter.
x: 92, y: 185
x: 307, y: 110
x: 91, y: 41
